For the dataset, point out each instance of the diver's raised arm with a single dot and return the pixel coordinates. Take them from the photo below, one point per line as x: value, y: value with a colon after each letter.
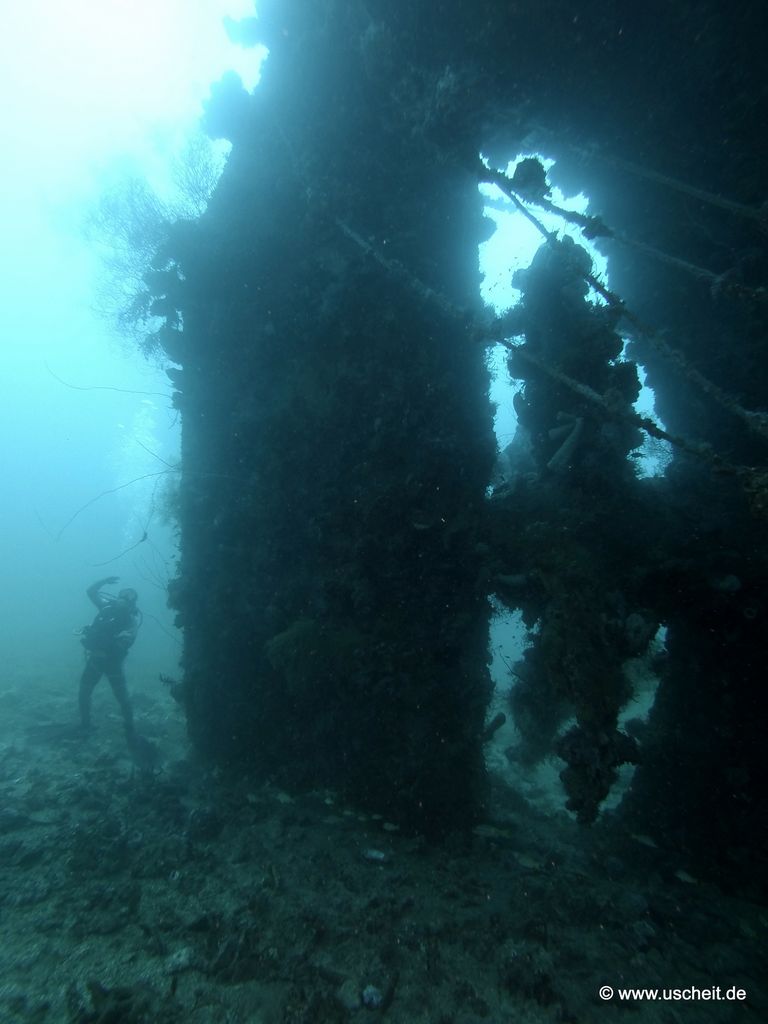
x: 93, y: 591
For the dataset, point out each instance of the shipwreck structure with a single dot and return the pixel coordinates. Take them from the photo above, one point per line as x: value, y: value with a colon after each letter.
x: 339, y: 546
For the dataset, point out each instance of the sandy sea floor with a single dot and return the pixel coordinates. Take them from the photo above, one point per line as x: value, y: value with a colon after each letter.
x: 177, y: 895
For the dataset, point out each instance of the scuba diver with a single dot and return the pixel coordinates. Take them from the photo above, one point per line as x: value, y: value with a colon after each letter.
x: 107, y: 642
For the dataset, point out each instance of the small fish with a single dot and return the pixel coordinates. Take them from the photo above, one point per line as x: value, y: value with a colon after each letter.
x: 145, y: 754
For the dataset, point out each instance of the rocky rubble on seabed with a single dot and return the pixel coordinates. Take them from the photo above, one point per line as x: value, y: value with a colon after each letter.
x: 130, y: 897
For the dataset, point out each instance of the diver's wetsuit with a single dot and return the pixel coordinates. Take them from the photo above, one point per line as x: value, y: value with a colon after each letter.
x: 107, y: 641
